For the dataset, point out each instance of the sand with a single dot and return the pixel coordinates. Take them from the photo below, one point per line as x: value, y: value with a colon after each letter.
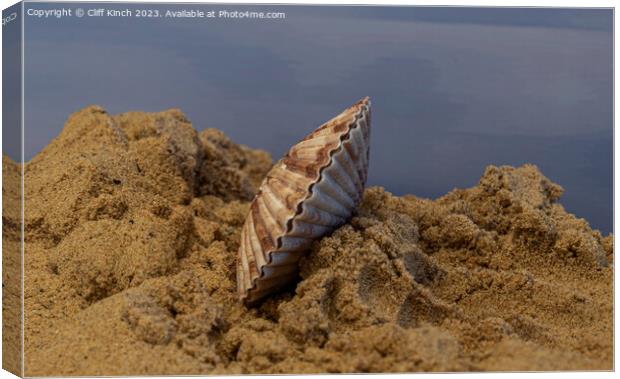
x: 11, y: 267
x: 132, y: 228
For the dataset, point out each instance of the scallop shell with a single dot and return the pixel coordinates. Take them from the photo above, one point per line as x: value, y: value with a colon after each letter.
x: 312, y: 190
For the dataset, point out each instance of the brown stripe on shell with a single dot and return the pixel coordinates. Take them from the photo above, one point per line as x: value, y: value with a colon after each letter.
x: 314, y: 155
x: 247, y: 277
x: 306, y: 168
x: 272, y: 226
x: 286, y: 191
x: 241, y: 283
x: 278, y: 205
x: 339, y: 125
x: 317, y: 142
x: 251, y: 257
x: 242, y: 262
x: 267, y: 243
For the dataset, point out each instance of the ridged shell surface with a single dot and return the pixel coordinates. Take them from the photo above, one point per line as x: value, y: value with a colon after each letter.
x: 312, y: 190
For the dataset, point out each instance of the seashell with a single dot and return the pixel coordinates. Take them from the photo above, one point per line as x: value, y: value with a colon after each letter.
x: 308, y: 193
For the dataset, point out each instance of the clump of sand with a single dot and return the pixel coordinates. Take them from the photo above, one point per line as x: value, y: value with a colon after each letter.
x: 133, y: 223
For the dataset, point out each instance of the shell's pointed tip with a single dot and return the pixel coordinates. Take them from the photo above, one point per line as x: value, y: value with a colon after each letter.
x: 362, y: 101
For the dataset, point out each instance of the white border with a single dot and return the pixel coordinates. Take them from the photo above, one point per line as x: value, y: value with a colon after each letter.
x: 480, y: 3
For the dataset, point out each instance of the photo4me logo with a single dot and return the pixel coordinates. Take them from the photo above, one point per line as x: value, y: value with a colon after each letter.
x: 9, y: 18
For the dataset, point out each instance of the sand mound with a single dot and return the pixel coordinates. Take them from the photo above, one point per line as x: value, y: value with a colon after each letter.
x: 132, y: 230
